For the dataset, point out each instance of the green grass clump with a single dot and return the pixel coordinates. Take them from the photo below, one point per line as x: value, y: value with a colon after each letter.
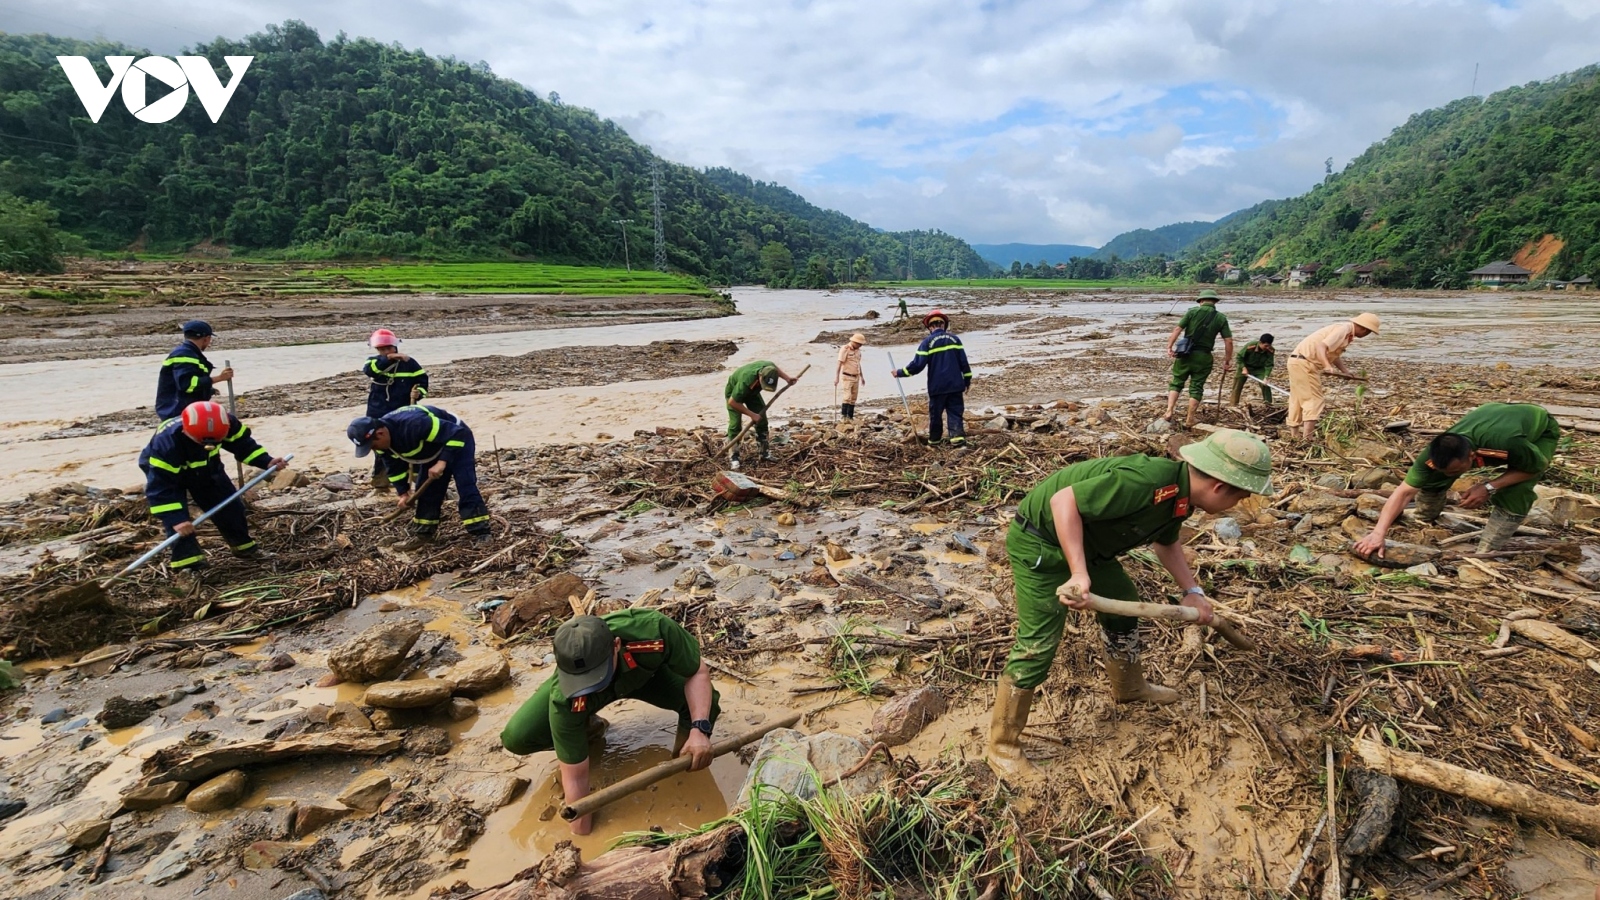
x: 516, y: 278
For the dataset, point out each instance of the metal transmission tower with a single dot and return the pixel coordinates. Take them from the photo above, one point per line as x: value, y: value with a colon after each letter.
x: 655, y: 201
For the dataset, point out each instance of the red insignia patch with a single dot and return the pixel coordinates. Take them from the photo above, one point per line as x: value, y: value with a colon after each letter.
x: 1499, y: 455
x: 628, y: 660
x: 1166, y: 493
x: 1181, y: 508
x: 579, y: 704
x: 655, y: 646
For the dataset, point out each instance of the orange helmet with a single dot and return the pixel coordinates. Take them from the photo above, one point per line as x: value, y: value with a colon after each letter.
x: 383, y: 337
x: 936, y: 314
x: 206, y: 422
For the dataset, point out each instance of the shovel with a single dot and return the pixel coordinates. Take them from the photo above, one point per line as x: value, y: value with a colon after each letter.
x: 87, y: 592
x: 408, y: 502
x: 902, y: 388
x: 1186, y: 614
x: 1263, y: 381
x: 233, y: 410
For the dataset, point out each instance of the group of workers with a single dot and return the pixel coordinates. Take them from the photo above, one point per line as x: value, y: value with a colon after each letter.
x: 416, y: 448
x: 1064, y: 543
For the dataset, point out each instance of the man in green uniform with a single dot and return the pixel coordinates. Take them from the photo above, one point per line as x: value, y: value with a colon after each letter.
x: 1255, y: 359
x: 743, y: 397
x: 1200, y: 325
x: 904, y: 313
x: 1520, y: 436
x: 638, y: 654
x: 1069, y: 531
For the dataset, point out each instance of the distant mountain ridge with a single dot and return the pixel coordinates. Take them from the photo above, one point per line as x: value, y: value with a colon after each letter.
x: 1003, y: 255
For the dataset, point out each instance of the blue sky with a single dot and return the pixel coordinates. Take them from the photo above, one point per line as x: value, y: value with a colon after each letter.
x: 1066, y: 121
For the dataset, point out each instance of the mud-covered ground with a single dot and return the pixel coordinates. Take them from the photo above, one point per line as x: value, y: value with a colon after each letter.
x: 541, y: 369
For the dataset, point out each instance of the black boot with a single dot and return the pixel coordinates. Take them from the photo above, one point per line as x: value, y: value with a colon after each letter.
x: 852, y: 413
x: 844, y: 410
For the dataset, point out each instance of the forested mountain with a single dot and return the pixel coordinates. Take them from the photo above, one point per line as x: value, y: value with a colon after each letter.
x: 1452, y: 189
x: 350, y: 147
x: 1168, y: 240
x: 1003, y: 255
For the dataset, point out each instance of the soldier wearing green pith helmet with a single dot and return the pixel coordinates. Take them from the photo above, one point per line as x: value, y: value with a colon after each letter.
x: 1070, y: 530
x: 1191, y: 360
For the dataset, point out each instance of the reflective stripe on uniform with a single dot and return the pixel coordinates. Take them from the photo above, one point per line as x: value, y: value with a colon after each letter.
x: 400, y: 477
x: 474, y: 520
x: 163, y: 465
x: 243, y: 430
x: 188, y: 561
x: 455, y: 443
x: 260, y: 451
x: 194, y: 383
x: 165, y: 508
x: 184, y: 359
x: 425, y: 521
x: 244, y: 546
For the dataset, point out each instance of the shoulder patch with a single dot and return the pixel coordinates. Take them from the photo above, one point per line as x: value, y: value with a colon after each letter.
x: 1166, y: 493
x: 1494, y: 454
x: 579, y: 704
x: 1181, y: 508
x: 655, y: 646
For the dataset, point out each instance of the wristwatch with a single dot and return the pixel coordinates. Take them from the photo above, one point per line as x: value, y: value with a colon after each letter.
x: 1489, y: 487
x: 1195, y: 590
x: 702, y: 725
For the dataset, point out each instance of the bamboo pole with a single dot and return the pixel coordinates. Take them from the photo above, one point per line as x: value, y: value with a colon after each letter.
x: 608, y: 795
x: 233, y: 410
x: 1185, y: 614
x: 1579, y: 819
x: 748, y: 425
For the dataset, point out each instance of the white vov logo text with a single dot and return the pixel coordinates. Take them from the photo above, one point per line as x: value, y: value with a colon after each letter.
x: 187, y: 72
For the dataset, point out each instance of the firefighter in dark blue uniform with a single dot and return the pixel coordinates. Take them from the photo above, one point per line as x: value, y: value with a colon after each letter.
x: 186, y: 375
x: 949, y: 376
x: 397, y: 380
x: 183, y: 461
x: 436, y: 445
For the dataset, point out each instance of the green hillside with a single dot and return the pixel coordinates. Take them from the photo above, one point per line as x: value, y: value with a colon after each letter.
x: 1168, y: 240
x: 1452, y: 189
x: 349, y: 148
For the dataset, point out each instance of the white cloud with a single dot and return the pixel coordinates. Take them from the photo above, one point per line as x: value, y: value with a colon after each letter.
x: 1031, y: 120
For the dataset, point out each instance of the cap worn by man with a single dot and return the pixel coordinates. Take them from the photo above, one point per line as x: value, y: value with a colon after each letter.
x: 1121, y: 503
x: 585, y: 662
x: 197, y: 328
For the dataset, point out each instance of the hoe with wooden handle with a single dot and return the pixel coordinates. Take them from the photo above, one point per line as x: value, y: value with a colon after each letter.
x: 1185, y: 614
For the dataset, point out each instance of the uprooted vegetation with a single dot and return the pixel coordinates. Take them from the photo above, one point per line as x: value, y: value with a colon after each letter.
x: 897, y: 579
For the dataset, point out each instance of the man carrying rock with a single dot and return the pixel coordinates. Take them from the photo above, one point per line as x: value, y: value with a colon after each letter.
x: 1069, y: 531
x: 848, y: 373
x: 397, y: 380
x: 742, y: 396
x: 949, y: 376
x: 638, y: 654
x: 186, y: 375
x: 1520, y: 436
x: 182, y: 462
x: 1191, y: 363
x: 1322, y: 352
x: 1256, y: 360
x: 439, y: 447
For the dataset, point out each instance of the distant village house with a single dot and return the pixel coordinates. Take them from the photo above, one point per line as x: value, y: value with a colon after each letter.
x: 1502, y: 272
x: 1361, y: 271
x: 1302, y: 273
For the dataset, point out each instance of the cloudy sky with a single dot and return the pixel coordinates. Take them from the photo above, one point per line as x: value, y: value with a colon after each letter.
x: 1066, y: 121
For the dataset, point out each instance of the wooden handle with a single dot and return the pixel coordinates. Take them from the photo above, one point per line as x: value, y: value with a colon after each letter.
x: 608, y: 795
x: 1186, y: 614
x: 410, y: 500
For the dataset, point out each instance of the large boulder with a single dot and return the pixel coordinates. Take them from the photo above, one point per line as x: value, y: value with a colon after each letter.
x: 904, y: 717
x: 367, y: 791
x: 545, y: 600
x: 219, y: 793
x: 413, y: 694
x: 480, y: 674
x: 794, y: 763
x: 376, y: 653
x: 154, y: 796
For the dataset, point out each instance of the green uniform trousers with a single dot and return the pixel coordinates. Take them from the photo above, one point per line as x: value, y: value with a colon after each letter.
x: 1037, y: 569
x: 1518, y: 499
x: 1238, y: 385
x: 529, y: 728
x: 1195, y: 369
x: 736, y: 419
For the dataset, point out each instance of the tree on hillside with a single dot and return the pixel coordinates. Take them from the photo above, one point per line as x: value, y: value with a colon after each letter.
x: 777, y: 264
x: 29, y: 240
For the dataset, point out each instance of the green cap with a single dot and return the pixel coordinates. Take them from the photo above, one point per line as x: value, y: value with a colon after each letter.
x: 769, y: 377
x: 585, y: 657
x: 1233, y: 457
x: 1208, y: 295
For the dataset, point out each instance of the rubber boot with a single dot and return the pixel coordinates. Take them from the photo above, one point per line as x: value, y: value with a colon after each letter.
x: 766, y: 452
x: 1004, y: 753
x: 1501, y: 526
x: 852, y: 413
x: 1126, y: 672
x: 419, y: 538
x: 1429, y: 505
x: 844, y: 411
x: 255, y: 554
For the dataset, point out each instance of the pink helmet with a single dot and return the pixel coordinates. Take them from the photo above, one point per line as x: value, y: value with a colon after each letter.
x: 383, y: 337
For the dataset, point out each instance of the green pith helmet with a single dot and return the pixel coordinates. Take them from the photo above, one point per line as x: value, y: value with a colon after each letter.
x: 1207, y: 295
x: 1233, y: 457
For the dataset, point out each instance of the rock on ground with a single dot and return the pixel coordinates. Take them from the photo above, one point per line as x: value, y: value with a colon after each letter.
x: 904, y: 717
x: 488, y: 793
x: 412, y: 694
x: 154, y: 796
x: 794, y: 763
x: 84, y: 835
x: 376, y: 653
x: 120, y: 712
x: 219, y: 793
x: 367, y: 791
x: 480, y: 674
x: 308, y: 819
x: 544, y: 600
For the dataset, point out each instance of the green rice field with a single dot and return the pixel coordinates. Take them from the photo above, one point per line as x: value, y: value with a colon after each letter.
x: 514, y: 278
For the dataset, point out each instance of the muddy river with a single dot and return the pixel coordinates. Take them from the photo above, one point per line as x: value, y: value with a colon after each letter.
x: 775, y: 325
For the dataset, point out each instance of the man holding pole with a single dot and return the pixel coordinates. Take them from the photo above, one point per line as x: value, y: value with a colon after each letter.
x: 182, y: 462
x: 638, y: 654
x: 1067, y: 535
x: 1191, y: 362
x: 849, y: 374
x: 439, y: 447
x: 949, y: 376
x: 1322, y: 352
x: 397, y: 380
x: 1255, y: 360
x: 186, y: 375
x: 742, y: 396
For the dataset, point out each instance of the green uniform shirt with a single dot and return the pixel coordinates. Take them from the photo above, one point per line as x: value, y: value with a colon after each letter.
x: 1256, y: 359
x: 1125, y: 502
x: 1519, y: 436
x: 1202, y: 323
x: 739, y: 383
x: 652, y: 647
